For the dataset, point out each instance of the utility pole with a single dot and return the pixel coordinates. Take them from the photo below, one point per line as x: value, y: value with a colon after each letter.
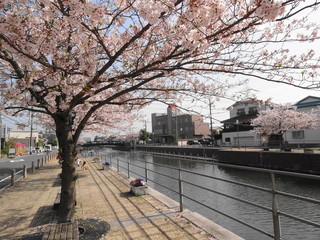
x: 31, y: 129
x: 211, y: 129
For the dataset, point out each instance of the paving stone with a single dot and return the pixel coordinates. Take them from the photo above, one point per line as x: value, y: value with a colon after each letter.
x: 101, y: 194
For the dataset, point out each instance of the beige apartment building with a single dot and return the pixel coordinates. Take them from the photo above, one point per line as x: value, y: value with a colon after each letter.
x: 167, y: 128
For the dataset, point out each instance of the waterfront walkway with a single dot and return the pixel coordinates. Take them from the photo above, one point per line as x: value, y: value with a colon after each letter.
x: 105, y: 209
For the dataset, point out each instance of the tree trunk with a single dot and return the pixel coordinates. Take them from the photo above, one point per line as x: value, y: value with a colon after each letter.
x: 67, y: 148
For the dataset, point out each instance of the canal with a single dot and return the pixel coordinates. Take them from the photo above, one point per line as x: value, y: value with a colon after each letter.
x: 257, y: 217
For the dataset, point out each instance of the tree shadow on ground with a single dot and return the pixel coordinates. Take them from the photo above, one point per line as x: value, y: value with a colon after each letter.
x: 92, y: 229
x: 32, y: 236
x: 44, y: 215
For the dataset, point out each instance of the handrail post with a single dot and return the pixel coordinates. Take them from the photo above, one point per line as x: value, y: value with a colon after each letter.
x: 275, y: 213
x: 180, y: 187
x: 146, y: 169
x: 118, y: 168
x: 24, y: 171
x: 129, y: 167
x: 13, y: 173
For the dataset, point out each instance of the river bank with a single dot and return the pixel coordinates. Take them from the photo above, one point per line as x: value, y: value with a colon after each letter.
x: 284, y: 161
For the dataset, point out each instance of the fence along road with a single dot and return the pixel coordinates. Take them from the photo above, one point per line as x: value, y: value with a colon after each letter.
x: 17, y: 164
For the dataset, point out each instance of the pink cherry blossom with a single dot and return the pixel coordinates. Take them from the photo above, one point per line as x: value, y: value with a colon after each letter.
x: 90, y: 65
x: 283, y: 118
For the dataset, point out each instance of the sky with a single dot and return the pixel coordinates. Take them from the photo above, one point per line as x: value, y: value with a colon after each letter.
x: 279, y: 93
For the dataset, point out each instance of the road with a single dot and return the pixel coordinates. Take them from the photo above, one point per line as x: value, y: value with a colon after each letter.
x: 6, y: 165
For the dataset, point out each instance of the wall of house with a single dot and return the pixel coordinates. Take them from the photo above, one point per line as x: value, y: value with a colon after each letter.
x: 308, y: 109
x: 246, y: 107
x: 308, y: 136
x: 246, y: 139
x: 305, y: 136
x: 201, y: 128
x: 186, y: 126
x: 23, y: 134
x: 159, y: 123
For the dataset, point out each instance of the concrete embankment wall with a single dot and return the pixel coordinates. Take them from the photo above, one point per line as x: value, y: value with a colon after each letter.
x: 285, y: 161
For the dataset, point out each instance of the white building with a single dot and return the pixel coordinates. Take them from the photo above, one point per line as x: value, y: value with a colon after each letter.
x: 24, y: 137
x: 309, y: 104
x: 238, y: 132
x: 237, y: 129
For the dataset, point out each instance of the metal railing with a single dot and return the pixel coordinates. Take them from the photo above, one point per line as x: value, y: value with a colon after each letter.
x: 123, y: 163
x: 18, y: 175
x: 247, y: 144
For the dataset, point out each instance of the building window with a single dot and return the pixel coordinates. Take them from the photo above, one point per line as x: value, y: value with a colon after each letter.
x: 253, y: 110
x: 298, y: 134
x: 241, y: 111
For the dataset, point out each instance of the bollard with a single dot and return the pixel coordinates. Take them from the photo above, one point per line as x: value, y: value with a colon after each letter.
x: 42, y: 162
x: 38, y: 165
x: 32, y: 167
x: 24, y: 171
x: 13, y: 173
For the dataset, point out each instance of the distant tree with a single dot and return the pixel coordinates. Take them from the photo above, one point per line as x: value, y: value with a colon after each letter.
x: 10, y: 143
x: 40, y: 143
x: 53, y: 142
x: 283, y: 118
x: 144, y: 135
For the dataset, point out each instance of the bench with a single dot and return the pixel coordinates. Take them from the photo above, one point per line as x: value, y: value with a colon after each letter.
x: 61, y: 231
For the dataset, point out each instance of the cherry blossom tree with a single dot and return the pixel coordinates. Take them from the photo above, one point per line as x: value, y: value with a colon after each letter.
x: 280, y: 119
x: 67, y: 59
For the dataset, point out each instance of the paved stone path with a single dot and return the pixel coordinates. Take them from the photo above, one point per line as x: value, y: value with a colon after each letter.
x: 102, y: 195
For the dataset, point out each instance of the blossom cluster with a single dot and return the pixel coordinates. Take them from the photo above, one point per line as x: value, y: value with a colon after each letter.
x: 78, y: 56
x: 282, y: 118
